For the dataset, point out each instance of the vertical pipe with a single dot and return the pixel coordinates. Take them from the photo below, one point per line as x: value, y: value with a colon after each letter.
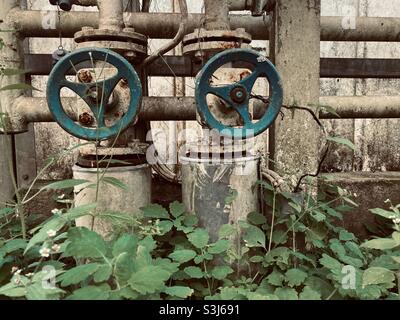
x: 111, y: 14
x: 10, y: 57
x: 217, y: 15
x: 295, y: 49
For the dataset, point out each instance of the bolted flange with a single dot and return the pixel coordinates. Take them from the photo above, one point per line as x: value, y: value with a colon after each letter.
x: 128, y: 43
x: 202, y: 43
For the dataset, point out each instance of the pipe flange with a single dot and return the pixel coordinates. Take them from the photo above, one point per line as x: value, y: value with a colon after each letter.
x: 130, y: 44
x: 202, y: 43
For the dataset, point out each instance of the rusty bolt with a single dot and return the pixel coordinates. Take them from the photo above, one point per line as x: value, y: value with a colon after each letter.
x: 87, y: 28
x: 130, y: 55
x: 128, y: 29
x: 124, y: 83
x: 86, y: 119
x: 85, y: 76
x: 199, y: 56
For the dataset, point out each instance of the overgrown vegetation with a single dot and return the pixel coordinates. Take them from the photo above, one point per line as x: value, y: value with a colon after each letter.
x: 297, y: 249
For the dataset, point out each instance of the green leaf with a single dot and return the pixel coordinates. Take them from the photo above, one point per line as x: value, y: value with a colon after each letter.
x: 155, y: 211
x: 330, y: 110
x: 318, y: 215
x: 221, y: 272
x: 165, y: 226
x: 377, y: 276
x: 85, y: 244
x: 12, y: 291
x: 231, y: 197
x: 256, y: 218
x: 18, y: 86
x: 286, y: 294
x: 279, y: 237
x: 396, y: 259
x: 183, y: 256
x: 346, y: 236
x: 194, y: 272
x: 103, y: 273
x: 383, y: 213
x: 81, y: 211
x: 124, y: 267
x: 78, y: 274
x: 219, y: 247
x: 199, y: 238
x: 381, y: 244
x: 295, y: 277
x: 115, y: 182
x: 127, y: 243
x: 342, y: 141
x: 91, y: 293
x: 177, y: 209
x: 226, y: 231
x: 180, y: 292
x: 6, y: 211
x: 276, y: 278
x: 55, y: 224
x: 12, y: 246
x: 65, y: 184
x: 149, y: 280
x: 254, y: 237
x: 309, y: 294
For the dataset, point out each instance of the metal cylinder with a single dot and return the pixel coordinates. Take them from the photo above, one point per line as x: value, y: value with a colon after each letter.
x: 110, y: 14
x: 112, y: 199
x: 221, y: 191
x: 217, y: 15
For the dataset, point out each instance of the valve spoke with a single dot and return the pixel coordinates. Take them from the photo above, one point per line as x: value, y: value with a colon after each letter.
x: 250, y: 80
x: 222, y: 92
x: 243, y: 111
x: 79, y: 88
x: 107, y: 87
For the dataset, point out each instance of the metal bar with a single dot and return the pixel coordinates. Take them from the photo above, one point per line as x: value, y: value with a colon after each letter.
x: 44, y: 24
x: 180, y: 66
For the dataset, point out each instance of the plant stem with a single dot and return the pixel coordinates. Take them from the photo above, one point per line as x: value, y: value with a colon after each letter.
x: 272, y: 223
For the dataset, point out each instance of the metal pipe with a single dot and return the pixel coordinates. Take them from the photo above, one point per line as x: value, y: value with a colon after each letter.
x: 85, y: 3
x: 361, y: 107
x: 146, y: 5
x: 177, y: 39
x: 216, y: 15
x: 110, y: 14
x: 166, y: 25
x: 184, y: 108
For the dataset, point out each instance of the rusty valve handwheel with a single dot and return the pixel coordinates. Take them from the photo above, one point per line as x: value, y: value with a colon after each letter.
x: 96, y: 95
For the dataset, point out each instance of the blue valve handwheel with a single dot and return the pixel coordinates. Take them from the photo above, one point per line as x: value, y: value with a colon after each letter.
x: 238, y: 95
x: 57, y: 81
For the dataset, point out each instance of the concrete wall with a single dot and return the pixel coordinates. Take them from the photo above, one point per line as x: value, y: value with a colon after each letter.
x: 377, y: 141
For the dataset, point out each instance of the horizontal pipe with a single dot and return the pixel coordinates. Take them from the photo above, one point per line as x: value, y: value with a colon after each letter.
x: 165, y: 25
x: 85, y: 3
x: 361, y: 107
x: 42, y: 24
x: 179, y: 66
x: 184, y: 108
